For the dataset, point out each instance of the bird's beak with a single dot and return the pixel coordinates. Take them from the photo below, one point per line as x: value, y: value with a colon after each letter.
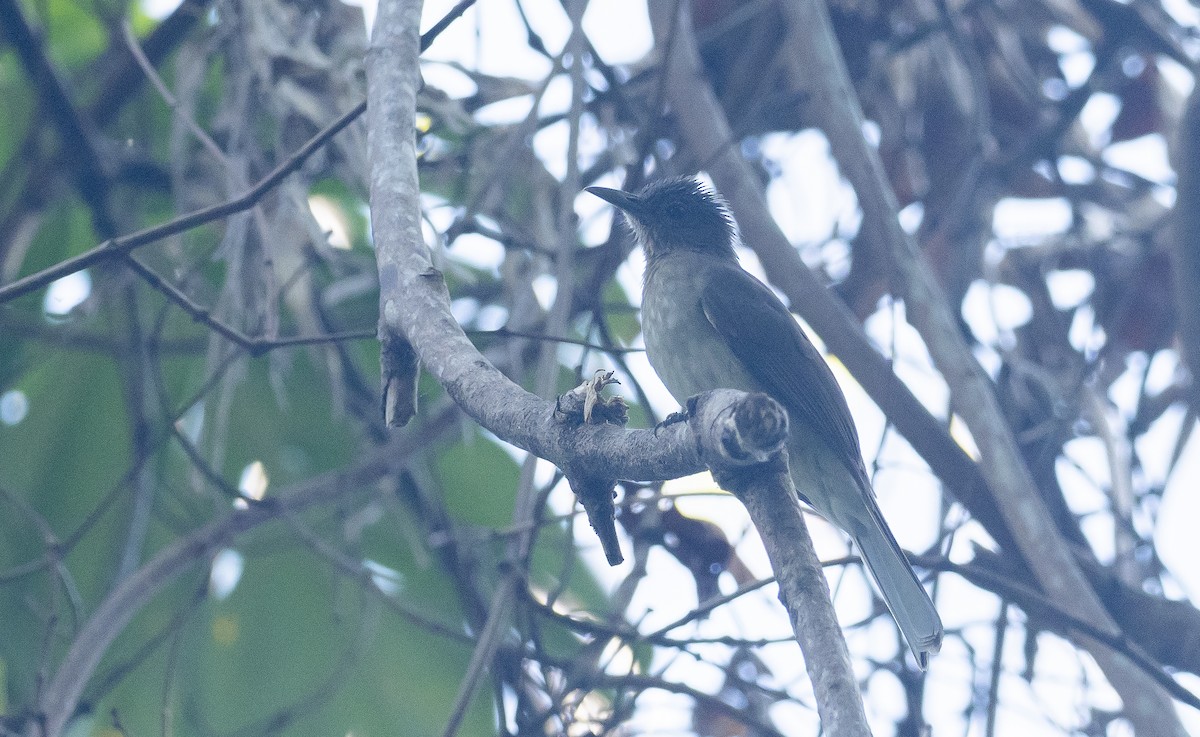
x: 624, y: 201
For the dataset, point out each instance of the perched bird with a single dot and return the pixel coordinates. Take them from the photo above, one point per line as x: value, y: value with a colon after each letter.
x: 708, y: 324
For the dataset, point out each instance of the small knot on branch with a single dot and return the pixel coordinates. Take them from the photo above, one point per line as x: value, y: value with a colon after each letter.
x: 586, y: 404
x: 739, y: 433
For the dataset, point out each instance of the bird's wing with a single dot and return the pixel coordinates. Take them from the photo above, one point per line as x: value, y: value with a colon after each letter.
x: 773, y: 349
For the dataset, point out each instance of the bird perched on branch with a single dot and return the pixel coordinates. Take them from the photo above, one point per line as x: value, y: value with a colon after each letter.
x: 708, y: 324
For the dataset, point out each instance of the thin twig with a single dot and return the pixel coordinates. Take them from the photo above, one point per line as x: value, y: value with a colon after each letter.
x: 1064, y: 621
x: 127, y: 243
x: 172, y: 102
x: 248, y: 199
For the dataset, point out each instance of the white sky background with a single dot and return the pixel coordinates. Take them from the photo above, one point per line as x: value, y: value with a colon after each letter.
x: 811, y: 203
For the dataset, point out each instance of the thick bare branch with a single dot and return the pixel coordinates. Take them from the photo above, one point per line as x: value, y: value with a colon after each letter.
x: 414, y: 303
x: 752, y: 463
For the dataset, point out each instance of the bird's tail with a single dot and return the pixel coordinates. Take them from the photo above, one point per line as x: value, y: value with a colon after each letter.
x: 902, y: 592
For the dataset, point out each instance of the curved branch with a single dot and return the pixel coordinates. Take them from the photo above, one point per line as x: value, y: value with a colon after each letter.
x: 415, y: 305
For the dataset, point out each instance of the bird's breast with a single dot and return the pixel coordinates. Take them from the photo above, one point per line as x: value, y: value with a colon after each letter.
x: 686, y: 351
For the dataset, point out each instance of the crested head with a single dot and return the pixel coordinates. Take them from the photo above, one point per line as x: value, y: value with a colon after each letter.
x: 676, y: 214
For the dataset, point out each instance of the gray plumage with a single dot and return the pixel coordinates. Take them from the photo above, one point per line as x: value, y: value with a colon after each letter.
x: 708, y: 324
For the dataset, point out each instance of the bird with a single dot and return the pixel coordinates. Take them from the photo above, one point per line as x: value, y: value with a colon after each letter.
x: 709, y: 324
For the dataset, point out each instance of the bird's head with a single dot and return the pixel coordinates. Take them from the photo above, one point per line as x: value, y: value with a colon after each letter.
x: 675, y: 214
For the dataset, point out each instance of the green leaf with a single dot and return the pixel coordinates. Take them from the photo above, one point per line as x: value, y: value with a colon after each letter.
x: 299, y: 649
x: 479, y: 480
x: 61, y: 460
x: 75, y: 35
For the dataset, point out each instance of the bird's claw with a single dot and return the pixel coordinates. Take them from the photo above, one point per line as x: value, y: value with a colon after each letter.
x: 671, y: 419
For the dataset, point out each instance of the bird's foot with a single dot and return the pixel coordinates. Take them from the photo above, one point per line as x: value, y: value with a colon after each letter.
x: 671, y: 419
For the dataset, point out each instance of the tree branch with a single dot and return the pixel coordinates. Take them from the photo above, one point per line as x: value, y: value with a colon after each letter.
x: 703, y: 125
x: 811, y: 46
x: 128, y: 243
x: 751, y: 461
x: 1183, y: 238
x: 61, y: 697
x: 415, y: 304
